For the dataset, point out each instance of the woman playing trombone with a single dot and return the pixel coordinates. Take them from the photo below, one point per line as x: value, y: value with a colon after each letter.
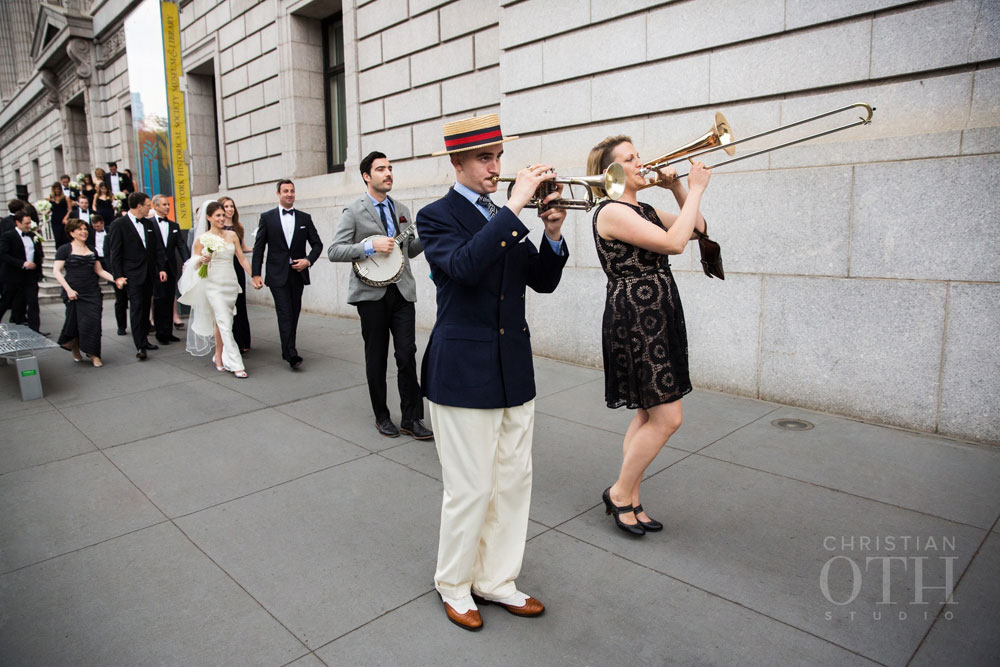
x: 643, y: 335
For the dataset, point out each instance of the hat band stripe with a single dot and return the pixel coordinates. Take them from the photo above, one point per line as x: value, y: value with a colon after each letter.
x: 471, y: 139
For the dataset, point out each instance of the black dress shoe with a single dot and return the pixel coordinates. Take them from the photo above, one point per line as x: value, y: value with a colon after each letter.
x: 141, y: 355
x: 151, y: 346
x: 173, y: 338
x: 386, y: 427
x: 416, y: 429
x: 630, y: 528
x: 178, y: 325
x: 652, y: 525
x: 296, y: 361
x: 163, y: 341
x: 121, y: 332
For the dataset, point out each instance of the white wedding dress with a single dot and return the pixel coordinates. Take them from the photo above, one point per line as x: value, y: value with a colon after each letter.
x: 213, y: 302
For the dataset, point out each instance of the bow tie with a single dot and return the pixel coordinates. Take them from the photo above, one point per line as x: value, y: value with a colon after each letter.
x: 290, y: 211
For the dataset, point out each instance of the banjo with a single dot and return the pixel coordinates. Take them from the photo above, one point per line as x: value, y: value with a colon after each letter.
x: 381, y: 269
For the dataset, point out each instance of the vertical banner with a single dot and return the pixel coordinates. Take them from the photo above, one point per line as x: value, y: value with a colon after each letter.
x: 152, y: 47
x: 175, y: 106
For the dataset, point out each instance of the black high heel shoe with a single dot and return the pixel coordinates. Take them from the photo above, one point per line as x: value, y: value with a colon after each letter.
x: 652, y: 525
x: 615, y: 510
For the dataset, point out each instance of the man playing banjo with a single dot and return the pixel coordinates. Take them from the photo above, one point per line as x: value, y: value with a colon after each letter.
x: 375, y: 233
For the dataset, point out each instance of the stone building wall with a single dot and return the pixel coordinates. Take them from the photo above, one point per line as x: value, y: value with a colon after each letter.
x: 852, y: 284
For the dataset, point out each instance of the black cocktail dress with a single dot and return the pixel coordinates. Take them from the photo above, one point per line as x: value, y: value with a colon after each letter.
x: 643, y: 335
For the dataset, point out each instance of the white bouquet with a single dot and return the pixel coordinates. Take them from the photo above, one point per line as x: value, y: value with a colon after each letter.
x: 38, y: 235
x: 79, y: 177
x: 44, y: 208
x: 210, y: 243
x: 74, y: 185
x: 119, y: 201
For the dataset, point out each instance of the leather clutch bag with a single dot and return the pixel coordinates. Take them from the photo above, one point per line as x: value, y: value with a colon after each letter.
x: 711, y: 256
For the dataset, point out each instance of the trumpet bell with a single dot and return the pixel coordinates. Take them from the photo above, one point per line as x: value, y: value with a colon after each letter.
x: 610, y: 184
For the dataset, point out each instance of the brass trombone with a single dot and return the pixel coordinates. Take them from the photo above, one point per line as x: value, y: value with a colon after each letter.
x: 720, y: 137
x: 611, y: 183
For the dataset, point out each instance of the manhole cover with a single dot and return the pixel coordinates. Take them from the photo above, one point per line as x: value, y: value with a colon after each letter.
x: 792, y: 424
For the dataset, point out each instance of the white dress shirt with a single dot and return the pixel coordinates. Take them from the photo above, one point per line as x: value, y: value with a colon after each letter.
x: 84, y: 215
x: 115, y: 187
x: 139, y: 228
x: 29, y: 247
x: 287, y: 224
x: 164, y: 229
x: 99, y: 243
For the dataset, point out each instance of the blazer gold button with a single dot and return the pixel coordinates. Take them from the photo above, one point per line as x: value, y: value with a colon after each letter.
x: 503, y: 244
x: 501, y: 297
x: 514, y: 233
x: 524, y: 329
x: 501, y: 332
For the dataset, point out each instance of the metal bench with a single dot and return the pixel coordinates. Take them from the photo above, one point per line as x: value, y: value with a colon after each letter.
x: 17, y: 345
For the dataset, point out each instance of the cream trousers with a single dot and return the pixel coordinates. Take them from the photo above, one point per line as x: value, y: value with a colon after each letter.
x: 486, y: 465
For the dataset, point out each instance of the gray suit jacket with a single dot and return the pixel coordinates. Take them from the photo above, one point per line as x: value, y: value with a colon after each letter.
x: 359, y: 221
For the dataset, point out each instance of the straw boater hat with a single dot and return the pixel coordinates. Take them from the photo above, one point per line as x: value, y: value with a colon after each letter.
x: 469, y: 133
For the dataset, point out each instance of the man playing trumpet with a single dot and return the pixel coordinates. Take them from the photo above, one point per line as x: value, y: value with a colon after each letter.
x: 477, y: 371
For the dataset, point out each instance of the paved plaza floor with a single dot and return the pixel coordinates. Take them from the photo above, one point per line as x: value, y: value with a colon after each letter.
x: 163, y: 513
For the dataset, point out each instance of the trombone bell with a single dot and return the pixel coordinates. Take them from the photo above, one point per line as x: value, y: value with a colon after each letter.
x: 720, y: 136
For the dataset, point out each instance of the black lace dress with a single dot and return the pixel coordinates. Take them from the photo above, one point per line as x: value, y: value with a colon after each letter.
x: 643, y: 334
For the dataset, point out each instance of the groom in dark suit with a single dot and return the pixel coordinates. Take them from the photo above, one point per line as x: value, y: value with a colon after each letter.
x: 283, y: 232
x: 138, y: 262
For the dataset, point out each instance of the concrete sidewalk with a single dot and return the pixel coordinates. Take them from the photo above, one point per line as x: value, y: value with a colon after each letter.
x: 165, y: 513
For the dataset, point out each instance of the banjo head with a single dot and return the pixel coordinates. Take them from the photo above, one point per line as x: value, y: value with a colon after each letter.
x: 381, y: 269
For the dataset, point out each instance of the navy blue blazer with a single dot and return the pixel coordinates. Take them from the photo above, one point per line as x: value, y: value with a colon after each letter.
x: 479, y: 352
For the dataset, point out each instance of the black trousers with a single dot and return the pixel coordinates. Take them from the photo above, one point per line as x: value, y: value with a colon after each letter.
x: 21, y: 297
x: 121, y: 308
x: 140, y: 299
x: 17, y: 310
x: 287, y: 305
x: 392, y: 314
x: 163, y: 307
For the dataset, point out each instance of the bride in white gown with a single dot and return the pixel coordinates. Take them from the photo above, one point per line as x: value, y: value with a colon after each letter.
x: 213, y: 298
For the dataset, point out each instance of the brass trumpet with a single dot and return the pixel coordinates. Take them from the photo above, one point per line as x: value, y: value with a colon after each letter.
x: 720, y: 137
x: 610, y: 184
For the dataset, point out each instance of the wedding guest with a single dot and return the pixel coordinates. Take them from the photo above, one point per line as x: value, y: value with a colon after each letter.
x: 174, y: 244
x: 60, y: 207
x: 280, y: 245
x: 88, y: 188
x: 21, y: 257
x: 77, y: 269
x: 241, y: 322
x: 104, y: 202
x: 138, y: 262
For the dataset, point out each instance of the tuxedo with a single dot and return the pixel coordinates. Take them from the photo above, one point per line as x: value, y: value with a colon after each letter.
x: 76, y: 212
x: 7, y: 224
x: 20, y: 285
x: 163, y: 294
x: 286, y: 283
x: 124, y: 182
x: 139, y: 259
x: 383, y: 310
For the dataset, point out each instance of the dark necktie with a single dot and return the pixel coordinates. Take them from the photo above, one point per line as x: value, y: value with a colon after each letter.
x: 385, y: 221
x: 488, y: 204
